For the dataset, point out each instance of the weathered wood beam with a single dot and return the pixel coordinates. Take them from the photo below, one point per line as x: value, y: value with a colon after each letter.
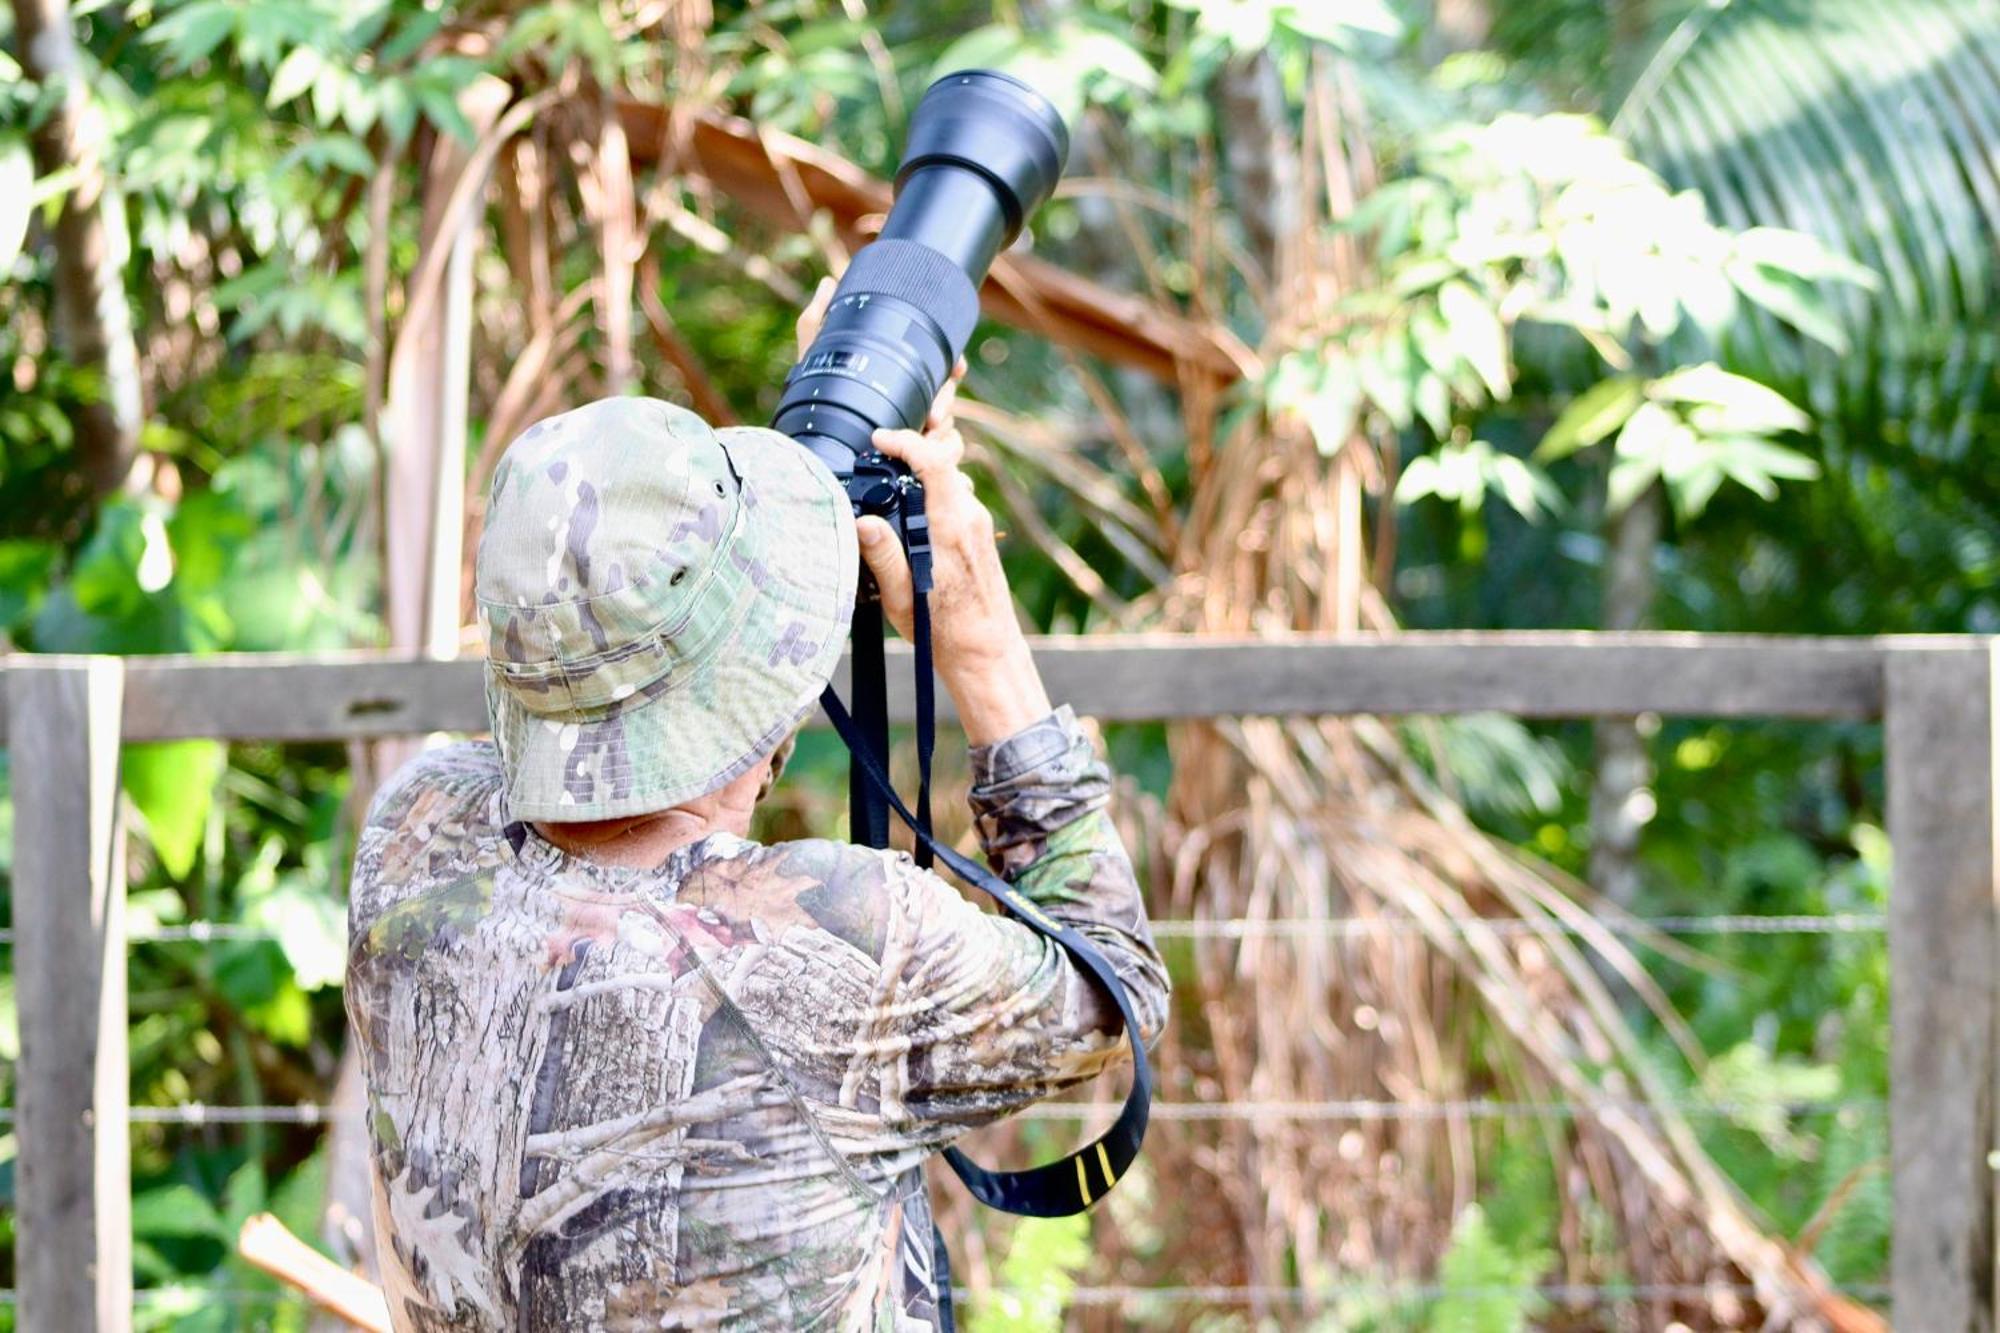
x: 1135, y: 678
x: 752, y: 167
x: 73, y: 1233
x: 1944, y: 930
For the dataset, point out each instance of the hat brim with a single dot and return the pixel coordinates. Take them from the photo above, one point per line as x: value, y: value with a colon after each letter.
x: 704, y: 727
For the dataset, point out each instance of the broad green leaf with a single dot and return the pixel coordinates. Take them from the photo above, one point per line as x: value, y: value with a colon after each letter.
x: 442, y: 110
x: 1420, y: 479
x: 1478, y: 334
x: 1727, y: 403
x: 173, y: 784
x: 25, y: 568
x: 1798, y: 303
x: 175, y: 1212
x: 417, y: 28
x: 1526, y: 489
x: 990, y: 47
x: 1383, y: 366
x: 1629, y: 479
x: 311, y: 929
x: 1331, y: 408
x: 1803, y: 256
x: 1649, y: 432
x: 1651, y: 439
x: 1691, y: 488
x: 1591, y: 415
x: 1337, y: 21
x: 190, y: 33
x: 1757, y: 465
x: 17, y: 180
x: 285, y: 1018
x: 294, y: 75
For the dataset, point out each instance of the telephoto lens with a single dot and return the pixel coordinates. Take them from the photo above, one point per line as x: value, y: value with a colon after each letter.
x: 985, y: 151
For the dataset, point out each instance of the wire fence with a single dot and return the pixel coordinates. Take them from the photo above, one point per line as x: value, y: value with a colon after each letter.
x: 1339, y: 927
x: 1570, y: 1294
x: 1356, y: 1110
x: 1359, y: 1110
x: 1351, y: 1111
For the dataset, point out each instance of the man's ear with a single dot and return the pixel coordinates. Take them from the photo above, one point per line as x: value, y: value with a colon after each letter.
x: 776, y: 765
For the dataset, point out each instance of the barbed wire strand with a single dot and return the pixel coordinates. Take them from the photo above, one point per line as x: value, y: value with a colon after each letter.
x: 196, y: 1114
x: 1338, y: 927
x: 1565, y: 1293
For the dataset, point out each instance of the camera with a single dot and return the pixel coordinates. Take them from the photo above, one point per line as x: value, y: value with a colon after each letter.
x: 985, y: 151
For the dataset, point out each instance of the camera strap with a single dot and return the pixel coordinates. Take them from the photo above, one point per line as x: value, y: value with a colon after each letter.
x: 1070, y: 1184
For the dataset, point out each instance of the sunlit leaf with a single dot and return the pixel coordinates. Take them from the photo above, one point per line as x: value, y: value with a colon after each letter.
x: 311, y: 928
x: 190, y: 33
x: 25, y: 568
x: 1803, y: 256
x: 1798, y: 303
x: 175, y: 1212
x: 1478, y: 334
x: 294, y: 75
x: 1592, y: 415
x: 1336, y: 22
x: 17, y: 179
x: 173, y: 784
x: 1727, y: 403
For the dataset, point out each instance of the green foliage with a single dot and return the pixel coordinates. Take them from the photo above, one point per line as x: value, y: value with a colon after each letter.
x: 1044, y: 1257
x: 1547, y: 220
x: 1776, y: 266
x: 1697, y: 428
x: 1504, y: 774
x: 1464, y: 473
x: 172, y: 783
x: 1489, y: 1287
x: 1073, y: 61
x: 1759, y: 1087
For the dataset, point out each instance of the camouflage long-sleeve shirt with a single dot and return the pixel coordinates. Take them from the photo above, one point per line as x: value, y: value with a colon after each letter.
x: 696, y: 1096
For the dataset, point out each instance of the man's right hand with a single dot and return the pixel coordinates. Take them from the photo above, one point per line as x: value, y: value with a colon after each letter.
x: 981, y: 655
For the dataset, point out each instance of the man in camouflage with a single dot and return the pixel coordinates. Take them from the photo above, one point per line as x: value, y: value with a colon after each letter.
x: 628, y: 1068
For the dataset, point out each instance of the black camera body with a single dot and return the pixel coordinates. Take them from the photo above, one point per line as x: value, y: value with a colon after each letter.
x: 985, y: 151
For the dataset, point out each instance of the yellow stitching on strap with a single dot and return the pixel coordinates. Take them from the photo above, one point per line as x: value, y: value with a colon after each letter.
x: 1104, y: 1160
x: 1082, y: 1182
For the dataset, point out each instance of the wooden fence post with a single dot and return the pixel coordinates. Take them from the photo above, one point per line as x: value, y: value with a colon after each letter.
x: 1945, y: 891
x: 73, y: 1247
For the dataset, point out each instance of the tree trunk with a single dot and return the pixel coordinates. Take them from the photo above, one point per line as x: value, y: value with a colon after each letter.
x: 93, y: 323
x: 1621, y: 797
x: 1262, y: 156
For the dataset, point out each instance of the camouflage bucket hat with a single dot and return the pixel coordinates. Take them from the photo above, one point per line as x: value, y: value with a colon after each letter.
x: 663, y: 604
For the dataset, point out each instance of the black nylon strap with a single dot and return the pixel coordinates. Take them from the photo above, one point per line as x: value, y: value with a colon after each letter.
x: 1070, y: 1184
x: 917, y: 542
x: 867, y: 815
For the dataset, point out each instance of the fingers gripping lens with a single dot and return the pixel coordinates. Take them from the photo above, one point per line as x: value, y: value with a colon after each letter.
x: 985, y: 150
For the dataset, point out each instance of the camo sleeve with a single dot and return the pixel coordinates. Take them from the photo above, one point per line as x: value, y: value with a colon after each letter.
x: 981, y: 1015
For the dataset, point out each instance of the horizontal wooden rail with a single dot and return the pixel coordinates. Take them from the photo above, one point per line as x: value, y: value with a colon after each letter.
x: 66, y: 717
x: 1130, y: 678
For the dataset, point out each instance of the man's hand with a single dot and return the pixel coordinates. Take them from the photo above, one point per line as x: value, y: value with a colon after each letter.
x: 980, y: 652
x: 976, y: 642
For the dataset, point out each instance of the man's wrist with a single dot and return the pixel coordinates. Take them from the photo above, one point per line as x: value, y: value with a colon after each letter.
x: 999, y: 692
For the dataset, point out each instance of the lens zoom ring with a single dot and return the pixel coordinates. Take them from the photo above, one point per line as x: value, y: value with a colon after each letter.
x: 924, y: 278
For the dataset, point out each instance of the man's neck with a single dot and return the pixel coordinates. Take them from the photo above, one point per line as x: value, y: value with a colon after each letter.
x: 647, y: 840
x: 639, y: 841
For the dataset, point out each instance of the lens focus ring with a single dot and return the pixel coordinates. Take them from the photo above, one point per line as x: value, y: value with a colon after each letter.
x: 924, y: 278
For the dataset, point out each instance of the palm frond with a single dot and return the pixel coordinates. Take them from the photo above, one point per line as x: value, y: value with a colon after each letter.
x: 1877, y: 129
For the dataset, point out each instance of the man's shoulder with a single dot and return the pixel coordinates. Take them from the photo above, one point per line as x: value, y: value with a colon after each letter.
x: 844, y: 889
x: 436, y: 819
x: 461, y: 780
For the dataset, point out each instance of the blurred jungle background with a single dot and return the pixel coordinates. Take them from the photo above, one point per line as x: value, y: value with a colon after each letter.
x: 1352, y: 316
